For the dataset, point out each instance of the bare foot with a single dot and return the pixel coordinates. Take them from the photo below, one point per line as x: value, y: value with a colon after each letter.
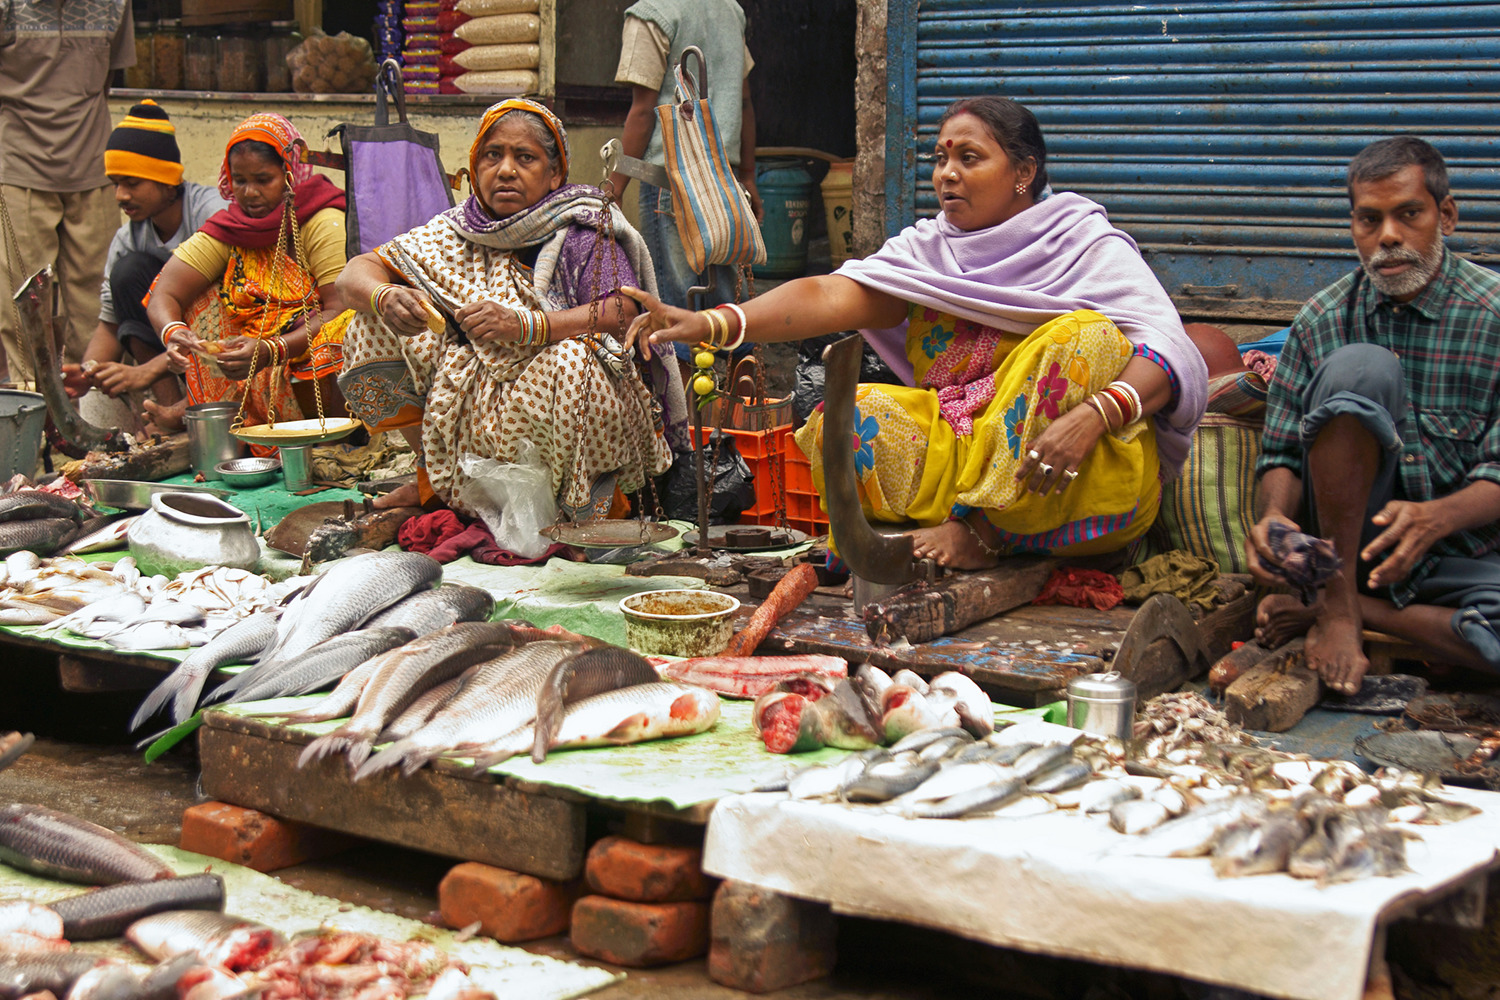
x: 164, y: 419
x: 1335, y: 649
x: 405, y: 495
x: 956, y: 545
x: 1280, y: 618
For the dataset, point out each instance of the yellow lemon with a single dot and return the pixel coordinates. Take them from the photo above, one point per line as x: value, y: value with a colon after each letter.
x: 704, y: 359
x: 703, y: 385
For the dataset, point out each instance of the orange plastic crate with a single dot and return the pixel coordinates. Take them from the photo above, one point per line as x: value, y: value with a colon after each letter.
x: 760, y: 449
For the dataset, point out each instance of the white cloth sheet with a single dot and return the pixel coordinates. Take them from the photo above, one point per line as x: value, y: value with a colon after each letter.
x: 1047, y: 884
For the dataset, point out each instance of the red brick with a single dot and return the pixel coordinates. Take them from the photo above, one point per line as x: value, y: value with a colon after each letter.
x: 647, y: 873
x: 253, y: 839
x: 639, y: 934
x: 509, y: 906
x: 764, y: 941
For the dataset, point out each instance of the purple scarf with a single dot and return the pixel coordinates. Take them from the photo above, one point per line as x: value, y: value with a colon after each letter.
x: 1058, y: 256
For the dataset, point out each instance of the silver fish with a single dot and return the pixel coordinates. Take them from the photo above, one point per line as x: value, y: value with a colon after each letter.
x: 1136, y: 816
x: 1193, y: 834
x: 499, y: 698
x: 626, y: 715
x: 976, y: 713
x: 421, y: 711
x: 345, y: 595
x: 1102, y: 796
x: 1063, y: 776
x: 24, y: 974
x: 823, y: 781
x: 402, y: 674
x: 235, y: 644
x: 953, y: 781
x: 149, y: 635
x: 426, y: 611
x: 339, y: 702
x: 1042, y: 759
x: 922, y: 737
x: 1258, y: 847
x: 219, y: 939
x: 321, y: 665
x: 884, y: 781
x: 976, y: 801
x: 34, y: 505
x: 62, y: 846
x: 42, y: 536
x: 101, y: 538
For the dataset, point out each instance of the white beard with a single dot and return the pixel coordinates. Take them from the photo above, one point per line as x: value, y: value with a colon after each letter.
x: 1411, y: 281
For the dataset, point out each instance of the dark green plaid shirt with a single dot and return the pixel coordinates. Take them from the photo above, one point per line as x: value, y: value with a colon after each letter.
x: 1448, y: 340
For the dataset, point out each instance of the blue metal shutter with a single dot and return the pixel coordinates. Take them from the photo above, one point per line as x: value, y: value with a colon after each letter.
x: 1215, y: 133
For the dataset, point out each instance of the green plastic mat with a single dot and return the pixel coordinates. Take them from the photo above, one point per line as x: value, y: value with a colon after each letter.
x: 269, y: 503
x: 685, y: 771
x: 505, y: 971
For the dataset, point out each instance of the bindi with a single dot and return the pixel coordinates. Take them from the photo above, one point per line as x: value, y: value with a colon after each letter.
x: 950, y: 143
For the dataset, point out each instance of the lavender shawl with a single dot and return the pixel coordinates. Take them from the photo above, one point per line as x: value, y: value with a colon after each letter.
x: 1057, y: 256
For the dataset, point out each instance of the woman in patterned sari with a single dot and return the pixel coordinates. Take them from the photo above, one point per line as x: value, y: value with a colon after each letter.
x: 247, y: 306
x: 524, y: 358
x: 1050, y: 385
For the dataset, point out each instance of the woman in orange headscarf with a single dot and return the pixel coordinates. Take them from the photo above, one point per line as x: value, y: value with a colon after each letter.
x: 270, y: 334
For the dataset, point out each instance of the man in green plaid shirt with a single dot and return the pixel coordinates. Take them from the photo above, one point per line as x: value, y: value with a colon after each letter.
x: 1381, y: 434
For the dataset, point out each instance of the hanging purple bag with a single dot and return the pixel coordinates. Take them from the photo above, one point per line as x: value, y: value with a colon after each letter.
x: 394, y: 177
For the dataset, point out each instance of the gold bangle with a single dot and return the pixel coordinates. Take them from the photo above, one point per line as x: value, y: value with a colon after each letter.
x: 1098, y: 411
x: 718, y: 328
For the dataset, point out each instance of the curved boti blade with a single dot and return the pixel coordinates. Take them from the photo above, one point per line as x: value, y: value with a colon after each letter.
x: 869, y: 554
x: 34, y: 302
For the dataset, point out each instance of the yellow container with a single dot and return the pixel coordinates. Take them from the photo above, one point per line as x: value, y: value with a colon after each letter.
x: 838, y: 206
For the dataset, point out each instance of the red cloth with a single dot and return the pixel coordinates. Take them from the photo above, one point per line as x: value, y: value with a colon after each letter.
x: 231, y: 225
x: 445, y: 537
x: 1081, y: 588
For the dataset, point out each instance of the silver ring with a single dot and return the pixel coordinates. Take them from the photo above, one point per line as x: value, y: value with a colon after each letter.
x: 1046, y: 469
x: 1071, y: 474
x: 1034, y: 455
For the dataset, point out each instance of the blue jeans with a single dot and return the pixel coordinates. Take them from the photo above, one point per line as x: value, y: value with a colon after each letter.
x: 674, y: 275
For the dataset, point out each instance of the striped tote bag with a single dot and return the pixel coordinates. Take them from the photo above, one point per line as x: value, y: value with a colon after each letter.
x: 714, y: 217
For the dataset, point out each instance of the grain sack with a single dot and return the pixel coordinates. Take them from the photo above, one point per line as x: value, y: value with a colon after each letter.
x: 484, y: 8
x: 452, y: 45
x: 449, y: 21
x: 501, y: 29
x: 487, y: 57
x: 498, y: 81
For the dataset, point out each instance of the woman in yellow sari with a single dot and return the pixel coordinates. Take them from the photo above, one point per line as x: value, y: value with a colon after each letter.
x: 247, y: 305
x: 1050, y: 385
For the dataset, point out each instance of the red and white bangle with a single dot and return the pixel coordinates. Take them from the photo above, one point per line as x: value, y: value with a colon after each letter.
x: 744, y: 325
x: 166, y: 331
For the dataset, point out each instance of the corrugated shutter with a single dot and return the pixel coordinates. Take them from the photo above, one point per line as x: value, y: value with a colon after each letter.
x: 1217, y: 134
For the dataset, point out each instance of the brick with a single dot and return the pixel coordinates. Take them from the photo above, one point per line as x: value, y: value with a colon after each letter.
x: 764, y: 941
x: 509, y: 906
x: 639, y: 934
x: 254, y: 839
x: 647, y: 873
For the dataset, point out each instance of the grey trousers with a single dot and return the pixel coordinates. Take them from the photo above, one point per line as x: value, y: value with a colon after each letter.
x: 1365, y: 381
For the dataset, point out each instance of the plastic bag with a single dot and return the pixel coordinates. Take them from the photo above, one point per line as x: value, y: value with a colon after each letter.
x: 332, y: 64
x: 513, y: 499
x: 734, y: 486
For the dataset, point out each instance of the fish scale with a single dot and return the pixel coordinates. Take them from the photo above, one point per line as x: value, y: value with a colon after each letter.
x: 48, y: 842
x: 421, y: 711
x: 429, y: 610
x: 323, y: 664
x: 33, y: 972
x: 346, y: 594
x: 401, y: 675
x: 106, y: 912
x: 500, y: 697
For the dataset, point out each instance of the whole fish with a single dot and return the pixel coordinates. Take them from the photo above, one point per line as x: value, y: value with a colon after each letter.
x: 1136, y: 816
x: 52, y: 843
x: 1102, y: 796
x: 42, y: 536
x: 1193, y: 833
x: 99, y: 537
x: 339, y: 702
x: 115, y: 609
x: 106, y: 912
x: 500, y: 697
x: 426, y: 611
x: 232, y: 942
x: 62, y: 974
x: 1064, y: 776
x: 319, y: 666
x: 35, y: 505
x: 908, y: 710
x: 235, y: 644
x: 1258, y: 847
x: 591, y: 672
x: 1042, y: 759
x: 986, y: 798
x: 345, y: 595
x: 20, y: 613
x: 149, y: 635
x: 884, y: 781
x: 620, y: 717
x: 952, y: 781
x: 845, y: 719
x: 751, y: 676
x: 823, y: 781
x: 920, y: 739
x: 421, y: 711
x: 402, y: 674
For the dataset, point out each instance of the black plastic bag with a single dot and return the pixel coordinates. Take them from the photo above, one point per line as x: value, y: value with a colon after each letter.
x: 807, y: 385
x: 733, y: 485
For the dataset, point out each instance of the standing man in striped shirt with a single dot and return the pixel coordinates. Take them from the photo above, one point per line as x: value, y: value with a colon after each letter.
x: 1382, y: 434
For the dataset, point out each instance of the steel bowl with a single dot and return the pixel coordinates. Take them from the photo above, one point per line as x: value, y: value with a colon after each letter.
x: 248, y: 473
x: 679, y: 622
x: 134, y: 494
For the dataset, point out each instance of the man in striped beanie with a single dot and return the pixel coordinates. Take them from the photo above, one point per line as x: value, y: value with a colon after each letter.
x: 144, y: 165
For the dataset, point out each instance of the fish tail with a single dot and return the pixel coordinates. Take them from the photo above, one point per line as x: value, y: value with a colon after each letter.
x: 359, y: 751
x: 548, y: 720
x: 324, y: 746
x: 483, y: 762
x: 158, y: 698
x: 390, y: 757
x: 186, y: 702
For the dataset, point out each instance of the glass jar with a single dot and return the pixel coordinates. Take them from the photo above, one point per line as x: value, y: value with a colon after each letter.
x: 240, y: 50
x: 198, y: 70
x: 282, y: 39
x: 140, y: 76
x: 167, y: 55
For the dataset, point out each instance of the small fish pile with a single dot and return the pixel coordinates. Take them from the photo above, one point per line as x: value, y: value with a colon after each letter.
x: 945, y: 773
x: 340, y: 966
x: 808, y: 711
x: 1175, y: 720
x: 37, y: 521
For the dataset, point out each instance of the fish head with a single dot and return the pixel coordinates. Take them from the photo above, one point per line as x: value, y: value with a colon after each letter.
x: 111, y: 981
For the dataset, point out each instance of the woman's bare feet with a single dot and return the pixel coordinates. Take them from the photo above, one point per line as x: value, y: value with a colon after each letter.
x: 162, y: 418
x: 405, y: 495
x: 1280, y: 618
x: 957, y: 544
x: 1335, y: 649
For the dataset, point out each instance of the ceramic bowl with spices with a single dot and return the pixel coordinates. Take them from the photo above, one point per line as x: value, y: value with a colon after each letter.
x: 679, y: 622
x: 248, y: 473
